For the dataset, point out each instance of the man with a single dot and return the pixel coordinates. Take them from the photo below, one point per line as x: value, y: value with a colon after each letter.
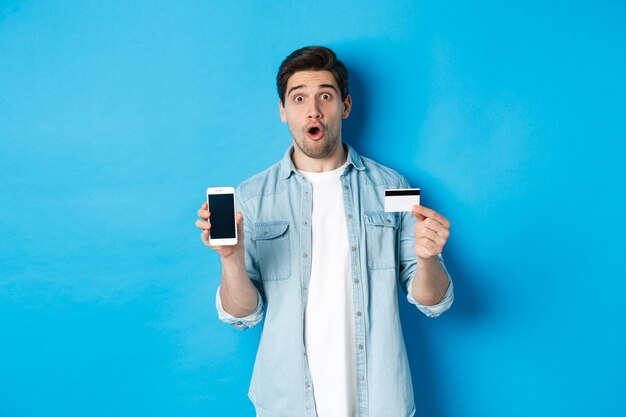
x: 322, y: 260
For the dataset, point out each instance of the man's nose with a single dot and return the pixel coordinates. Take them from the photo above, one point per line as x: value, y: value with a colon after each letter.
x: 314, y: 111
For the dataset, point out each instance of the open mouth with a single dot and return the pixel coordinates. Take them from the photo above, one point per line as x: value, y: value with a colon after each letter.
x: 314, y: 132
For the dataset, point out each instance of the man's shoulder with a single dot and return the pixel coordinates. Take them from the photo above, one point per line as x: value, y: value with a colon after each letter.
x: 379, y: 174
x: 260, y: 183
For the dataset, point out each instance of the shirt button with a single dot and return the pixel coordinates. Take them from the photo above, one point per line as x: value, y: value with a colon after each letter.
x: 360, y: 346
x: 308, y: 385
x: 350, y: 216
x: 353, y: 248
x: 361, y: 378
x: 305, y: 222
x: 304, y: 255
x: 346, y: 187
x: 356, y: 281
x: 358, y: 313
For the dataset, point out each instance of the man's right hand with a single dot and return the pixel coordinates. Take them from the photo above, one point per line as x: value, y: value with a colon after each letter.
x: 204, y: 224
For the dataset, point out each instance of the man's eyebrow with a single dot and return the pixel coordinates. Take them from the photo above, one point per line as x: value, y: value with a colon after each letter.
x: 329, y: 86
x: 295, y: 87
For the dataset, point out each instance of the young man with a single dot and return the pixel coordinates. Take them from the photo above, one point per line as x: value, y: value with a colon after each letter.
x: 322, y: 259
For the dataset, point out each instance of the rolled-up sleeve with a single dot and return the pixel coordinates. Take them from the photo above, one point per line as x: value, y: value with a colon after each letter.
x: 443, y: 305
x: 241, y: 323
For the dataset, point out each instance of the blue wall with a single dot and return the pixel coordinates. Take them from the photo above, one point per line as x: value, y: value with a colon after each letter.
x: 115, y: 116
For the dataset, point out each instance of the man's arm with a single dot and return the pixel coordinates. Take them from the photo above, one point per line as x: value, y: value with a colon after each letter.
x: 237, y: 293
x: 430, y: 282
x: 432, y: 230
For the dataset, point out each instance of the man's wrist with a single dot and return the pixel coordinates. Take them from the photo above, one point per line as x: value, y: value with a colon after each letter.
x: 233, y: 257
x: 426, y: 262
x: 233, y: 265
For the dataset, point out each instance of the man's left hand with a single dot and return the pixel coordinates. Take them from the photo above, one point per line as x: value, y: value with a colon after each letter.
x: 431, y: 232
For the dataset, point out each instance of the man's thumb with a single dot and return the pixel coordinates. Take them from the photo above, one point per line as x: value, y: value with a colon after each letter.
x: 239, y: 220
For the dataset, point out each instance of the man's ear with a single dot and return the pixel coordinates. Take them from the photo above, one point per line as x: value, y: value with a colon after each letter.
x: 347, y: 106
x: 283, y: 116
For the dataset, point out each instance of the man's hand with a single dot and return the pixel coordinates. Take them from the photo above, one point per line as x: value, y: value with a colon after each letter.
x: 204, y: 224
x: 431, y: 232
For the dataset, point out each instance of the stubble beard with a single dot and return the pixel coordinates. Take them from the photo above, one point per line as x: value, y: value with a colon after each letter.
x: 316, y: 149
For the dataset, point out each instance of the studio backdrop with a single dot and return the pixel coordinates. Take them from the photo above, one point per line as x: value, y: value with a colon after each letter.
x: 115, y: 116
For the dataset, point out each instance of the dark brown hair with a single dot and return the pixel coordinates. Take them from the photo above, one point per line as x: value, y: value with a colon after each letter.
x: 312, y: 58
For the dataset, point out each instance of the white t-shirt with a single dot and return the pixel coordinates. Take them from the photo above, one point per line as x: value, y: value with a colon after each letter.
x: 328, y: 321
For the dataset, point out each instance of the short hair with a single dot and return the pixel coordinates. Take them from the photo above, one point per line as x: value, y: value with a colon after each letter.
x: 312, y: 58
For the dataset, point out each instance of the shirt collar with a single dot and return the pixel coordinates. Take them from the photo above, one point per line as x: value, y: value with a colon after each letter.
x: 287, y: 166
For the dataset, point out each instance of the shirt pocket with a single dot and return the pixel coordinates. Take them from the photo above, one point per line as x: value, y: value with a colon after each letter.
x: 273, y: 250
x: 380, y: 239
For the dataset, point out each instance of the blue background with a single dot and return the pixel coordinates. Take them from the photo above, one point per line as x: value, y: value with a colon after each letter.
x: 115, y: 116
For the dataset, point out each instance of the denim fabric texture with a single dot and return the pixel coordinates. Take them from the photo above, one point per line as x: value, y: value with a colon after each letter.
x: 277, y: 208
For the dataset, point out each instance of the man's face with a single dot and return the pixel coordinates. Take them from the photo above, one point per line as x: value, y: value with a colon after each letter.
x: 313, y: 110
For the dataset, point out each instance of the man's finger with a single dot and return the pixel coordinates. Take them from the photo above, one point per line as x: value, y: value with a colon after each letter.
x: 429, y: 245
x: 239, y: 221
x: 419, y: 216
x: 204, y: 236
x: 203, y: 225
x: 204, y: 213
x: 436, y: 227
x: 432, y: 235
x: 424, y: 211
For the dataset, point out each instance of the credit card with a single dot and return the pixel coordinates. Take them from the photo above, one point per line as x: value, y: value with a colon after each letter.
x: 401, y: 199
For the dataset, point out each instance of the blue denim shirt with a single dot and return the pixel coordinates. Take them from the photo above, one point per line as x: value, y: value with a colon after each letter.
x: 277, y: 208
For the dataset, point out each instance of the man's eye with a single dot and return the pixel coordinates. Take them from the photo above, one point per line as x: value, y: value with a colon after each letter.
x: 325, y: 96
x: 298, y: 98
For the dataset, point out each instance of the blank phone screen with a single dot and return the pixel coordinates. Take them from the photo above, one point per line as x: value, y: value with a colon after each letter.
x: 222, y: 208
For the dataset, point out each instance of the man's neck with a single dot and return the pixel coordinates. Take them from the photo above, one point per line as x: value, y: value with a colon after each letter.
x: 333, y: 161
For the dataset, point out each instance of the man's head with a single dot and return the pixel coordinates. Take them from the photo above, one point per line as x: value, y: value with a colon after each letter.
x: 312, y: 58
x: 313, y: 89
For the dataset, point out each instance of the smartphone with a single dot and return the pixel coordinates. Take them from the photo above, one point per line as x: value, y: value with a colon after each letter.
x: 221, y: 202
